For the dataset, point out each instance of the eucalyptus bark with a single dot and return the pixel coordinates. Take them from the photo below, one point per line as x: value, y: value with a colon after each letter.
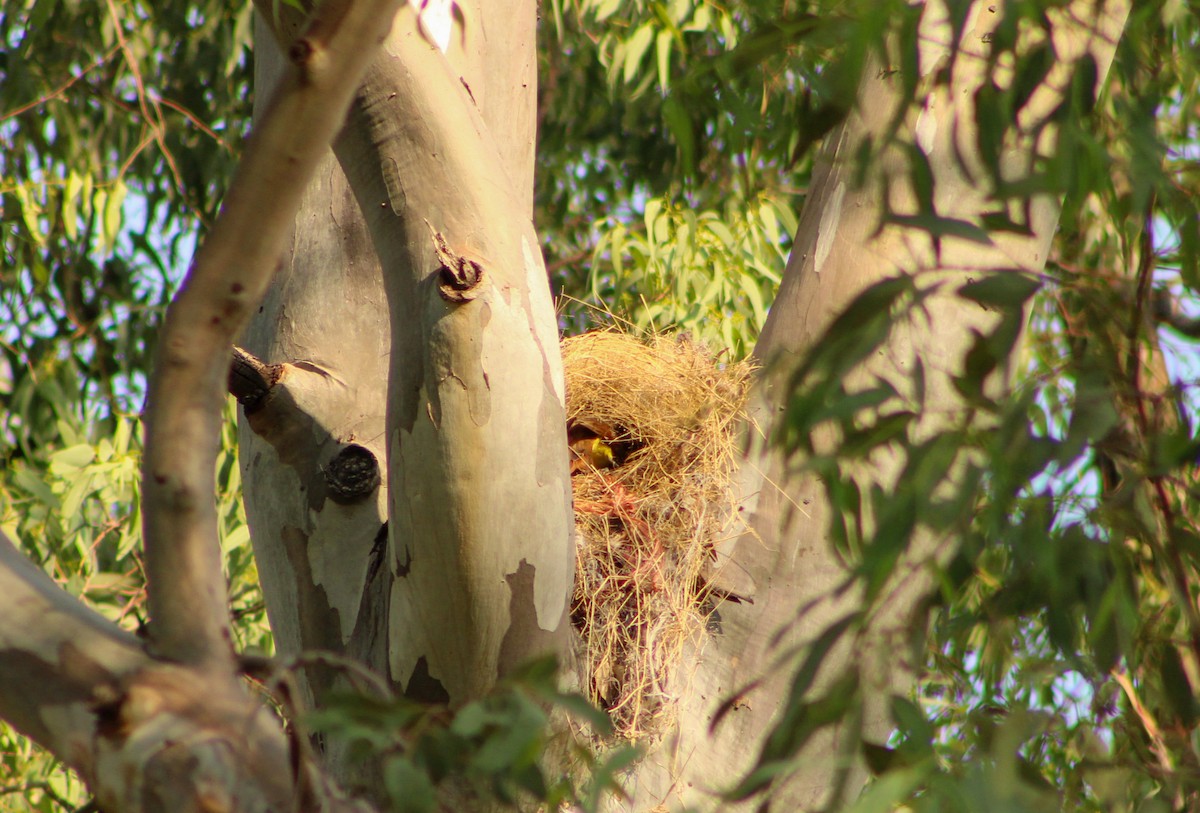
x: 473, y: 571
x: 784, y: 560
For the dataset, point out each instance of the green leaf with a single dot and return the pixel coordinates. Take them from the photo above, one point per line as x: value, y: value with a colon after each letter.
x: 749, y: 286
x: 722, y: 232
x: 538, y: 673
x: 759, y: 779
x: 70, y: 203
x: 681, y: 130
x: 910, y: 720
x: 1009, y: 289
x: 662, y: 47
x: 100, y: 204
x: 33, y: 485
x: 635, y: 49
x: 112, y: 213
x: 239, y: 537
x: 701, y: 19
x: 605, y: 775
x: 79, y: 490
x: 796, y: 724
x: 408, y: 787
x: 604, y: 9
x: 579, y: 706
x: 939, y: 227
x: 890, y: 791
x: 471, y: 719
x: 879, y: 758
x: 516, y: 739
x: 30, y: 212
x: 1177, y: 687
x: 71, y: 458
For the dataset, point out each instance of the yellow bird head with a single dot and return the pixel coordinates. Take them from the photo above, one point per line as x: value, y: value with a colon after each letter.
x: 591, y: 453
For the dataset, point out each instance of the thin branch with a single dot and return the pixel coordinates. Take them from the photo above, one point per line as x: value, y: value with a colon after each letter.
x: 1168, y: 312
x: 154, y: 122
x: 188, y: 605
x: 58, y: 91
x: 45, y: 787
x: 1157, y: 742
x: 195, y: 120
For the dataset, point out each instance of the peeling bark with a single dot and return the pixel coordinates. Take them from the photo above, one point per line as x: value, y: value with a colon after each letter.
x: 479, y: 390
x: 440, y: 156
x: 145, y: 735
x: 470, y: 572
x: 230, y: 275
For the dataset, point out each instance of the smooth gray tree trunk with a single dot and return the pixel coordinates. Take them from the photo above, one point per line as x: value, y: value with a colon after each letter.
x: 472, y: 573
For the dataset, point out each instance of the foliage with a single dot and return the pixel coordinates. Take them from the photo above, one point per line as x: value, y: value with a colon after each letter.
x: 75, y: 510
x: 711, y: 109
x: 494, y: 748
x: 98, y: 101
x: 707, y: 273
x: 119, y: 122
x: 1062, y: 658
x: 33, y: 780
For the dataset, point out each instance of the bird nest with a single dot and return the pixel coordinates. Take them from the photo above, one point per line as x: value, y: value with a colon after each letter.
x: 652, y: 432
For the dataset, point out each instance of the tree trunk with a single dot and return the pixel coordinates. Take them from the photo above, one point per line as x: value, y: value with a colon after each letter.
x: 471, y: 572
x: 323, y: 326
x: 784, y: 561
x: 477, y: 567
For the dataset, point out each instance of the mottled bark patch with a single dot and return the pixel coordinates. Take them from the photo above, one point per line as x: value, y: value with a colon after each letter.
x: 424, y: 687
x: 525, y: 637
x: 320, y: 622
x: 46, y: 683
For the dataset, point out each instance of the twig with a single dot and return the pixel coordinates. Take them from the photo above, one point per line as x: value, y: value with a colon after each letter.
x: 154, y: 122
x: 44, y: 787
x: 1157, y: 743
x: 58, y: 91
x: 195, y: 121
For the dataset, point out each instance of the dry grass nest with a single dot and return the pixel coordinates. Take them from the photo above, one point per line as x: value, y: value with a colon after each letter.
x: 648, y: 510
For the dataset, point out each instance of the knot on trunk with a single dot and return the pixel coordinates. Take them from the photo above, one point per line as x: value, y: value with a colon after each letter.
x: 352, y: 476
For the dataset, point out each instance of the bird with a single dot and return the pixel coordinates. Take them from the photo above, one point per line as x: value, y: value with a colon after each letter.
x: 591, y: 453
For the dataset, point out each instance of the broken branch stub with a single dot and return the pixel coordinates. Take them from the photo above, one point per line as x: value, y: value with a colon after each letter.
x: 460, y: 279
